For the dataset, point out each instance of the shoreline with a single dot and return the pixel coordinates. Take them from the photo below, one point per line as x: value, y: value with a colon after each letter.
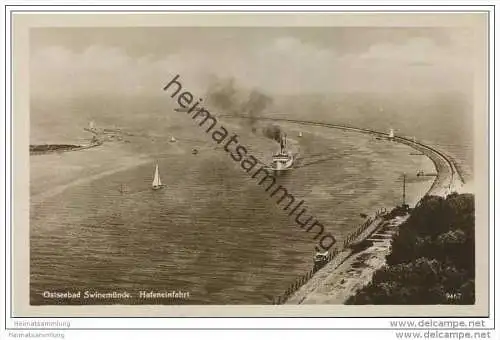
x: 45, y: 149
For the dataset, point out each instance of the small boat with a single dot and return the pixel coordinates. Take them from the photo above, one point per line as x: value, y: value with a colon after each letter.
x: 156, y: 180
x: 172, y: 139
x: 391, y: 133
x: 300, y: 133
x: 195, y: 151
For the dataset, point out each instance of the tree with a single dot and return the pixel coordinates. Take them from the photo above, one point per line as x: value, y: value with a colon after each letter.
x: 432, y: 260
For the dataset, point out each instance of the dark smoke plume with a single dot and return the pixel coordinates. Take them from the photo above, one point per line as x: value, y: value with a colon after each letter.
x: 273, y: 132
x: 226, y: 96
x: 223, y: 94
x: 256, y: 104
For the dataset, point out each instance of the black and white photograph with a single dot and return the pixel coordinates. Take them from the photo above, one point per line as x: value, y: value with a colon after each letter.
x: 220, y: 169
x: 251, y: 165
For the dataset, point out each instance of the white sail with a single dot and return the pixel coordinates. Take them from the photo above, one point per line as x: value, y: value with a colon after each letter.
x: 156, y: 179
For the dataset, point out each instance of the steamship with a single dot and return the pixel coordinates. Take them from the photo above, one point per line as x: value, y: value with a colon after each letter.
x: 282, y: 160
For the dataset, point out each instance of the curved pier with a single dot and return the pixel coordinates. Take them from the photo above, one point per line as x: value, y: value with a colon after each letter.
x: 335, y: 282
x: 448, y: 177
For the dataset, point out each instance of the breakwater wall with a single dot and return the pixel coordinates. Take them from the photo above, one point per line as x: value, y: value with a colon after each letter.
x: 448, y: 177
x: 57, y: 148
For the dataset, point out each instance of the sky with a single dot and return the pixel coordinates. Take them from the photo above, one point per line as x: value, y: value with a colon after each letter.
x: 140, y: 61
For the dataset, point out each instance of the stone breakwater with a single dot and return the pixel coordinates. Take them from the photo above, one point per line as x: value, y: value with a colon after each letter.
x: 448, y: 179
x: 54, y: 148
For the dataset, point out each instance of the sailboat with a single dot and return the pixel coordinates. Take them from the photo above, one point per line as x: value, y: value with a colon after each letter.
x: 156, y: 180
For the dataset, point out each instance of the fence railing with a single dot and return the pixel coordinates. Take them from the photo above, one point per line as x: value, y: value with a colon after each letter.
x: 299, y: 282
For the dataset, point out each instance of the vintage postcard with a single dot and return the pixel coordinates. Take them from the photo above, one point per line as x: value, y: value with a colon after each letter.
x: 250, y: 164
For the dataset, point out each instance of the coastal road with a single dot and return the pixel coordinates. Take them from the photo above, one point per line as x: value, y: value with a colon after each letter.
x: 448, y: 178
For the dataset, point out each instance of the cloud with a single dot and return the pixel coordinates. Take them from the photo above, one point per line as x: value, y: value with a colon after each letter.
x: 283, y: 65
